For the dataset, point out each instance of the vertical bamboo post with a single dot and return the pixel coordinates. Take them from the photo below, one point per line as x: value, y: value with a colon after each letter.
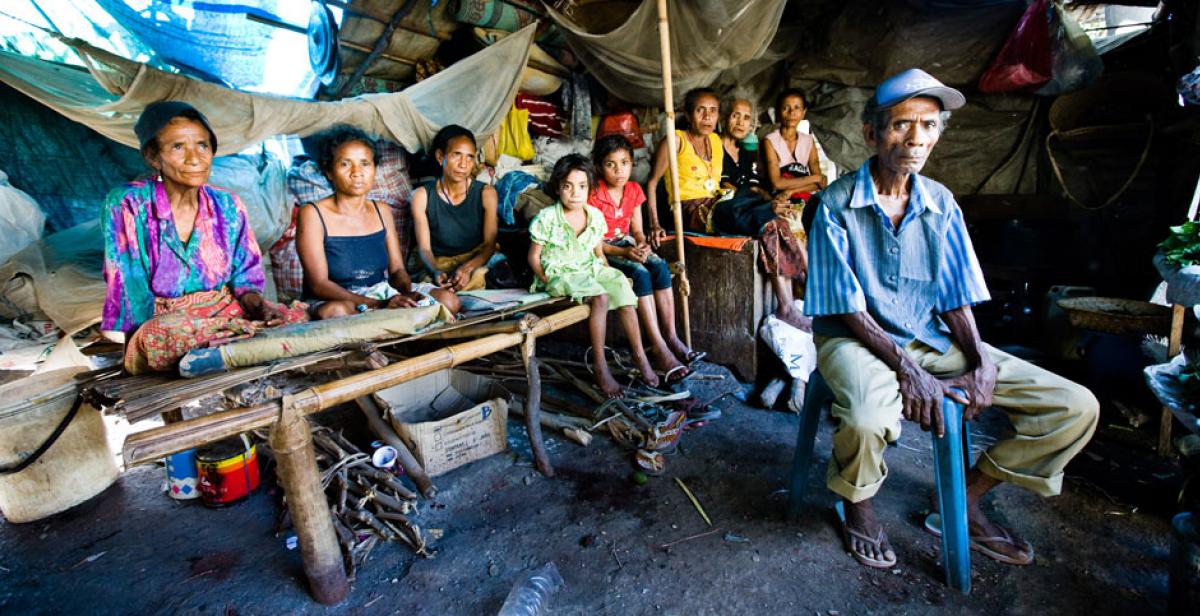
x: 685, y: 287
x: 533, y: 405
x: 291, y: 442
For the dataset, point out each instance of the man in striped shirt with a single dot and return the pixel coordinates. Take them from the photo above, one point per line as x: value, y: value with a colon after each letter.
x: 892, y: 278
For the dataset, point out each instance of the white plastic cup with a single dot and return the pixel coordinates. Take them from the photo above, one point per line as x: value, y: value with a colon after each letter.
x: 385, y: 457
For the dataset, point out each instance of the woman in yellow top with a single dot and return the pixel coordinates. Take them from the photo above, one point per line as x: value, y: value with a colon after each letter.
x: 707, y: 208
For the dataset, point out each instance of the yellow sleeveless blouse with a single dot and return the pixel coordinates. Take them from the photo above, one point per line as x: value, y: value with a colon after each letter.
x: 695, y: 172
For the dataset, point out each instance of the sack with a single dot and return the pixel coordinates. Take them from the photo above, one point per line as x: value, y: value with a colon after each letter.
x: 1075, y: 64
x: 624, y: 124
x: 794, y: 347
x: 1025, y: 61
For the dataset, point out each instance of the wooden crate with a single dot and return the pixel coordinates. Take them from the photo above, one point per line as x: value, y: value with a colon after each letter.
x: 730, y: 297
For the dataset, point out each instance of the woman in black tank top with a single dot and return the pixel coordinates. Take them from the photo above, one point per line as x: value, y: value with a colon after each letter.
x: 454, y: 216
x: 348, y: 243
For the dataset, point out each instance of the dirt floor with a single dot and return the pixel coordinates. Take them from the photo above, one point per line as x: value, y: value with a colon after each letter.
x: 1102, y: 547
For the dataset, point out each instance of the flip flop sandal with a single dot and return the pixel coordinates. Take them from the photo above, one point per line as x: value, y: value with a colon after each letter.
x: 694, y: 356
x: 650, y: 462
x: 877, y: 541
x: 933, y: 524
x: 675, y: 375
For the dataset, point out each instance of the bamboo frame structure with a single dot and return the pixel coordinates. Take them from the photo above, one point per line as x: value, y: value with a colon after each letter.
x: 156, y: 443
x: 292, y: 442
x: 685, y: 287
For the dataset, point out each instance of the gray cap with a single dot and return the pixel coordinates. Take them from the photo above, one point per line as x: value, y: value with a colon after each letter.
x: 157, y: 115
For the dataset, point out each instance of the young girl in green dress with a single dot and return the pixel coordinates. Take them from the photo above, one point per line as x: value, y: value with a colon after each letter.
x: 567, y: 258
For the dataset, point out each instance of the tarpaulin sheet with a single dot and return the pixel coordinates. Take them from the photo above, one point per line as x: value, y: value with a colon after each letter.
x: 475, y: 92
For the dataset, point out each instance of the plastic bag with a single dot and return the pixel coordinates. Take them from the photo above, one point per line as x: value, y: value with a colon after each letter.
x: 21, y: 219
x: 1075, y: 64
x: 514, y: 135
x: 794, y: 347
x: 624, y: 124
x: 1025, y: 61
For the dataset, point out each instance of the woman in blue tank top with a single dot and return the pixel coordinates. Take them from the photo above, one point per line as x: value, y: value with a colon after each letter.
x: 348, y: 243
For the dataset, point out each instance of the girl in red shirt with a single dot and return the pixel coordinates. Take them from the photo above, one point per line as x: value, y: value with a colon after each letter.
x: 626, y: 249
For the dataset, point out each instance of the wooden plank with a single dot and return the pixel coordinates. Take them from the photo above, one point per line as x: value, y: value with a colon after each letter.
x: 729, y: 299
x: 1174, y: 340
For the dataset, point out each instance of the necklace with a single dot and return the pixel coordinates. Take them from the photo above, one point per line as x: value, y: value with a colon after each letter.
x: 444, y: 193
x: 710, y: 185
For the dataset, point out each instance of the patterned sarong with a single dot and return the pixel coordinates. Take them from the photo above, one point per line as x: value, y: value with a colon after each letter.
x: 202, y: 319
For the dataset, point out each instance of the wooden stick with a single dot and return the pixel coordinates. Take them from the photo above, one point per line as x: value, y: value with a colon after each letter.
x: 292, y: 444
x: 533, y: 405
x: 357, y: 362
x: 1174, y: 339
x: 664, y: 42
x: 406, y: 459
x: 598, y: 399
x: 158, y: 442
x: 558, y: 422
x: 692, y: 497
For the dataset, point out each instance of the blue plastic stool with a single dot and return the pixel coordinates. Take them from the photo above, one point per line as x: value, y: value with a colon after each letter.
x: 949, y: 459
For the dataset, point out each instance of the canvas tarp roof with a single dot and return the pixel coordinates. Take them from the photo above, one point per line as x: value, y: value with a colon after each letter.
x: 707, y: 38
x: 475, y: 92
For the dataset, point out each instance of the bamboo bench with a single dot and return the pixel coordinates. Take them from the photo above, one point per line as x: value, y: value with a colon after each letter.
x: 290, y: 433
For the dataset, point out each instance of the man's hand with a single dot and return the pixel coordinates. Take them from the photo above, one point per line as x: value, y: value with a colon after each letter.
x: 921, y: 395
x: 656, y: 235
x: 979, y: 385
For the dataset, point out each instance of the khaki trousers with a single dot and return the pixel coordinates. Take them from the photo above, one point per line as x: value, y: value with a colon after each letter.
x: 1053, y: 417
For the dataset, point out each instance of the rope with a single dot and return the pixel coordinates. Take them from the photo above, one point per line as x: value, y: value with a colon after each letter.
x: 1120, y: 191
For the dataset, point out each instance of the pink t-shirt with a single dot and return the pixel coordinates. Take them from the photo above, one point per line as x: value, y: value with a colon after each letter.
x: 804, y: 146
x: 617, y: 216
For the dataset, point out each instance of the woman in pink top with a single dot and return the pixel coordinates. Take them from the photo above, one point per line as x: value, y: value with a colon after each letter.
x: 792, y: 163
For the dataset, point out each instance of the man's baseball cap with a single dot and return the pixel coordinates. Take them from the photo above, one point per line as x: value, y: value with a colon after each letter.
x: 912, y: 83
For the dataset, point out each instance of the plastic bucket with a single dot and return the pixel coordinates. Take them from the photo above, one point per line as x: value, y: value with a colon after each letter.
x: 75, y: 468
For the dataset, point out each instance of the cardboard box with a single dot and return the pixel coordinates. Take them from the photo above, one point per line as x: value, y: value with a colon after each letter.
x: 448, y: 418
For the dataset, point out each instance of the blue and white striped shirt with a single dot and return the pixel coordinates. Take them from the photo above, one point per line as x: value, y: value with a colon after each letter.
x: 905, y: 278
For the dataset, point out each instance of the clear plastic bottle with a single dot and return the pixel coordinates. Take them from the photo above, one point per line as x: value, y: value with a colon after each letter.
x: 531, y: 595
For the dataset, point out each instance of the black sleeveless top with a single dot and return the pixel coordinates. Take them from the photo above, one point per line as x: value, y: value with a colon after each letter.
x: 454, y: 229
x: 355, y: 261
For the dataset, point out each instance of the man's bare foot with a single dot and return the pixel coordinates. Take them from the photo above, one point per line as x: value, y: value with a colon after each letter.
x: 995, y: 541
x: 865, y: 536
x: 606, y: 382
x: 987, y: 537
x: 790, y: 315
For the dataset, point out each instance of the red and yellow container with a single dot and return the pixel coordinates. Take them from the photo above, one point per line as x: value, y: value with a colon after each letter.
x: 228, y: 471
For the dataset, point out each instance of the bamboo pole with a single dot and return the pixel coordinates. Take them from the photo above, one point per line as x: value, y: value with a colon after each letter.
x: 1174, y: 341
x: 292, y: 445
x: 685, y: 287
x: 158, y: 442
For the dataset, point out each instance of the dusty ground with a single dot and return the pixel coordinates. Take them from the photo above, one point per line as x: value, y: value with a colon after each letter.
x: 1102, y: 547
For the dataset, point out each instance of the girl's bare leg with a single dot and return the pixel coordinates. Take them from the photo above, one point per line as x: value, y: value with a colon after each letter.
x: 664, y: 299
x: 596, y: 329
x: 629, y: 321
x: 663, y: 358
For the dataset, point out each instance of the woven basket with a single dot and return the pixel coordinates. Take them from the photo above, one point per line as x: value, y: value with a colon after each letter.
x: 1113, y: 315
